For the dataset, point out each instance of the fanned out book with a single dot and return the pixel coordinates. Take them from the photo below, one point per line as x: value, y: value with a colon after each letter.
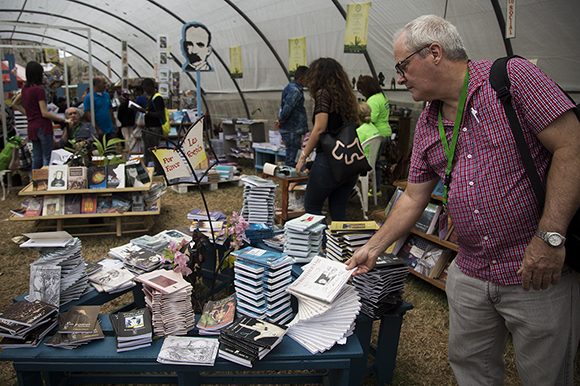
x: 77, y: 177
x: 249, y: 339
x: 216, y: 315
x: 27, y: 313
x: 40, y: 179
x: 185, y: 350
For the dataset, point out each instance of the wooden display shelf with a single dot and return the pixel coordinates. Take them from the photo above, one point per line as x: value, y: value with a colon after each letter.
x: 403, y: 185
x: 436, y: 282
x: 435, y: 239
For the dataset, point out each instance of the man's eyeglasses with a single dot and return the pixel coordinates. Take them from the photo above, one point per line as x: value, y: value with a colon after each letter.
x: 401, y: 65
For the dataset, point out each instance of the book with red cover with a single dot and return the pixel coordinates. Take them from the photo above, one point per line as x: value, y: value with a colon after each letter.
x: 89, y: 203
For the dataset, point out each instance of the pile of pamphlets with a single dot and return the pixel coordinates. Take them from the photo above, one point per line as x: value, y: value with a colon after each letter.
x: 345, y: 237
x: 217, y: 315
x: 168, y: 296
x: 261, y: 279
x: 201, y: 215
x: 76, y: 327
x: 258, y: 202
x: 327, y: 306
x: 304, y: 237
x: 132, y: 329
x: 185, y: 350
x: 25, y: 324
x: 58, y: 276
x: 248, y: 340
x: 381, y: 288
x: 113, y: 277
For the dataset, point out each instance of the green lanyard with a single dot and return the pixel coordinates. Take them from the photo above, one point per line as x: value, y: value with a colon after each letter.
x: 450, y: 151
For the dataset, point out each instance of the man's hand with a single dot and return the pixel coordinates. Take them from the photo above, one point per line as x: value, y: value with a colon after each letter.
x: 542, y: 265
x: 363, y: 260
x: 277, y: 124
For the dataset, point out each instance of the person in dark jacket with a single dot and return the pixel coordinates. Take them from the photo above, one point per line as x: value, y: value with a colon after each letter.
x: 154, y: 115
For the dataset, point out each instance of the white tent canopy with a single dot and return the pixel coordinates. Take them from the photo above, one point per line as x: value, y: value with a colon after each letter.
x: 546, y: 30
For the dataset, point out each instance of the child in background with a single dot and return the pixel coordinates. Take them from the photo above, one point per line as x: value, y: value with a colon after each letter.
x: 367, y: 129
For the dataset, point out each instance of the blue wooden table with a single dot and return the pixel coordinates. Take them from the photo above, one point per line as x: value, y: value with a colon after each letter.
x: 98, y: 362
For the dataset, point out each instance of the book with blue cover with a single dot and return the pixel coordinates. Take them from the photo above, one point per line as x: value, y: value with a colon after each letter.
x: 262, y: 257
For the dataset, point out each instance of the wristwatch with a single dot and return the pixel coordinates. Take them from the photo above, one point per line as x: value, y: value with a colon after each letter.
x: 553, y: 239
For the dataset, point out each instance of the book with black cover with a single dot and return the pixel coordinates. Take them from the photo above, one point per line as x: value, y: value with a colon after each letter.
x: 79, y: 319
x: 132, y: 325
x: 256, y: 332
x: 72, y: 204
x: 27, y: 313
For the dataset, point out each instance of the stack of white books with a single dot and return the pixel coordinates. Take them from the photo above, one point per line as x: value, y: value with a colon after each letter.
x: 381, y: 288
x: 112, y: 278
x: 185, y: 350
x: 327, y: 305
x: 304, y: 237
x: 168, y: 296
x: 58, y: 276
x: 261, y: 280
x: 345, y: 237
x: 258, y: 200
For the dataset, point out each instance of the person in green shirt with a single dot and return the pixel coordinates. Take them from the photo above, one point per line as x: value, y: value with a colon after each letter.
x: 369, y: 87
x: 367, y: 129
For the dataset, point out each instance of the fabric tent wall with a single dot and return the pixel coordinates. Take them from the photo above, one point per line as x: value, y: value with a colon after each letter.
x: 546, y: 30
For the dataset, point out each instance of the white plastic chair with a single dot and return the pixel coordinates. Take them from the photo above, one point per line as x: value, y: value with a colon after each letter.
x: 373, y: 144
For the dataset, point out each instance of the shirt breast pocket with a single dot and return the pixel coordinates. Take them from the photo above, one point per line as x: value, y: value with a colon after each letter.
x: 494, y: 129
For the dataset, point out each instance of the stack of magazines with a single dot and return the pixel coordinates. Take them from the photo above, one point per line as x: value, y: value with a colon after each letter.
x: 261, y: 279
x: 132, y: 329
x: 25, y: 324
x: 345, y: 237
x: 304, y: 237
x: 327, y: 306
x: 58, y: 276
x: 77, y: 327
x: 248, y: 340
x: 217, y: 315
x: 259, y: 231
x: 258, y: 202
x: 381, y: 288
x: 185, y: 350
x: 201, y: 215
x: 168, y: 296
x: 113, y: 277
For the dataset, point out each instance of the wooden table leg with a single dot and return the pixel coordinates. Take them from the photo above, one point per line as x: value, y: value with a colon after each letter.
x: 118, y: 227
x: 59, y: 223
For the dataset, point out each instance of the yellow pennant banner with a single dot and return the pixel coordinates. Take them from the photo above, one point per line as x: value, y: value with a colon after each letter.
x: 296, y: 53
x: 357, y: 28
x: 192, y: 145
x: 236, y: 64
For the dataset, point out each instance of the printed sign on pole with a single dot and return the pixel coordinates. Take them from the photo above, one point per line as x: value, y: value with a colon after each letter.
x: 236, y: 64
x: 357, y: 28
x: 510, y: 22
x: 296, y: 53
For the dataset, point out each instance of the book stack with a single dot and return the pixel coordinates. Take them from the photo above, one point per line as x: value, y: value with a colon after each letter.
x: 248, y: 340
x: 25, y: 324
x: 327, y: 306
x: 113, y: 277
x: 132, y: 329
x: 277, y: 242
x: 304, y: 237
x: 217, y: 315
x: 185, y: 350
x: 201, y: 215
x: 261, y: 279
x: 345, y: 237
x: 257, y: 232
x: 168, y: 296
x: 213, y: 177
x: 77, y: 327
x: 381, y: 288
x: 58, y: 276
x: 161, y: 240
x: 135, y: 258
x: 258, y: 203
x: 226, y: 172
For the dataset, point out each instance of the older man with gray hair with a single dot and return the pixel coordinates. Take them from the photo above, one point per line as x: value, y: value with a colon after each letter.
x: 77, y: 129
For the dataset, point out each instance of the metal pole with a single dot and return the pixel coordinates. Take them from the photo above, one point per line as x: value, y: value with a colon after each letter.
x: 91, y: 95
x: 3, y: 103
x: 66, y: 91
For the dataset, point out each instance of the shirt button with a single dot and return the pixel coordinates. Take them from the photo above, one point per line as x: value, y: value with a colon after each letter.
x: 476, y: 211
x: 464, y: 129
x: 485, y: 238
x: 494, y: 261
x: 469, y: 156
x: 471, y: 183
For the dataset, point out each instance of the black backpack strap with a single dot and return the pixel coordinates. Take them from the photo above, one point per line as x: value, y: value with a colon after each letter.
x: 500, y: 82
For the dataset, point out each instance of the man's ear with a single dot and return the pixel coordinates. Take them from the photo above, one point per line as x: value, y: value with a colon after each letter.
x: 436, y: 51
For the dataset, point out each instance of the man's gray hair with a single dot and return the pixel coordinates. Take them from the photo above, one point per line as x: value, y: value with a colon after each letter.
x: 428, y: 29
x: 71, y: 109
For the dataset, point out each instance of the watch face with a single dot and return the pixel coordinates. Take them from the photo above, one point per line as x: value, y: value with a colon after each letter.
x: 555, y: 240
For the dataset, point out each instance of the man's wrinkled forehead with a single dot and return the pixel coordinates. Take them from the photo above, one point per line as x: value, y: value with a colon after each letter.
x: 196, y: 35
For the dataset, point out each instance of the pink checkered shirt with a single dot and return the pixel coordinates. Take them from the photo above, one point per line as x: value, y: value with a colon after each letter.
x: 491, y: 200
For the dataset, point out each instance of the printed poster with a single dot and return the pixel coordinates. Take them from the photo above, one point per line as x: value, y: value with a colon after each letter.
x: 296, y: 53
x: 236, y: 65
x: 357, y: 28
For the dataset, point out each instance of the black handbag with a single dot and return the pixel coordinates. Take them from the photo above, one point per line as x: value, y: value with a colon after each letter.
x: 345, y: 153
x: 501, y: 84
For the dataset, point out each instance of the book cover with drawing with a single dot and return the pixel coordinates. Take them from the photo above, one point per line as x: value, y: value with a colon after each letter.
x: 40, y: 179
x: 217, y: 314
x: 116, y: 176
x: 72, y: 204
x: 185, y: 350
x: 258, y: 333
x: 53, y: 206
x: 132, y: 325
x: 77, y: 177
x: 88, y: 203
x: 34, y: 207
x: 79, y: 319
x: 57, y: 177
x: 136, y: 175
x: 97, y: 177
x: 45, y: 283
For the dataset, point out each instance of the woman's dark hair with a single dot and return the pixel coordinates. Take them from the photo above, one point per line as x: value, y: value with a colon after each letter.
x: 368, y: 86
x: 327, y: 74
x: 34, y: 72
